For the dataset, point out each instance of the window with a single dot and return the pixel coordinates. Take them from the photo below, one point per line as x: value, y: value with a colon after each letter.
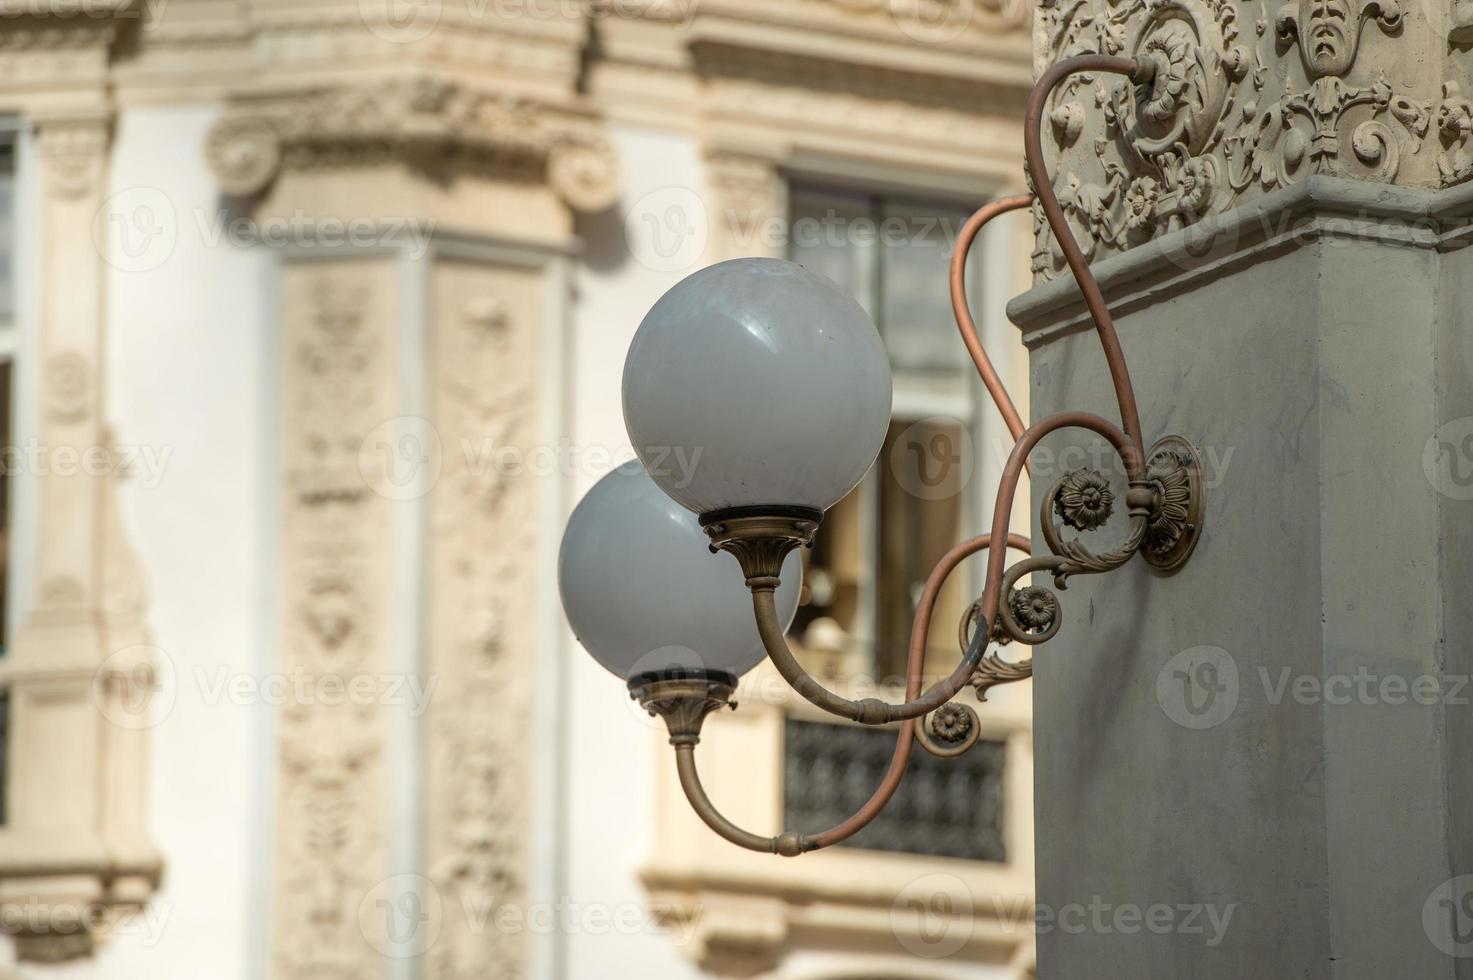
x: 875, y: 548
x: 8, y: 130
x: 7, y: 230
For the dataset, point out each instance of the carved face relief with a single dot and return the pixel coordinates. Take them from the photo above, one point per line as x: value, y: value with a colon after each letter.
x: 1328, y: 31
x: 1332, y: 36
x: 1454, y: 113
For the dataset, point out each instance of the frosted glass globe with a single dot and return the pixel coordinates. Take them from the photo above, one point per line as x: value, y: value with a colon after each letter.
x: 643, y: 592
x: 755, y: 383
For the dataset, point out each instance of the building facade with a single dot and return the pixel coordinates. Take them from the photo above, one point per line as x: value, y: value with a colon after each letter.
x: 314, y: 316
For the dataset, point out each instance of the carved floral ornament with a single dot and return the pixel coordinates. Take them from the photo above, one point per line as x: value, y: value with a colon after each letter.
x: 425, y: 116
x: 1243, y: 99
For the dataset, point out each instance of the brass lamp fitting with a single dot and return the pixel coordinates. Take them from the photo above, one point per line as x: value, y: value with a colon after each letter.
x: 760, y: 538
x: 683, y: 698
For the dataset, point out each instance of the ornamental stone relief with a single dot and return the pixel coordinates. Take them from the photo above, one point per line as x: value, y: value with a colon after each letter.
x: 482, y: 558
x: 75, y: 156
x: 1245, y: 100
x: 331, y: 841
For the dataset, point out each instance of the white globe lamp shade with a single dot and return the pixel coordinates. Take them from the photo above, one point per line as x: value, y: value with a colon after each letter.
x: 756, y: 386
x: 645, y: 595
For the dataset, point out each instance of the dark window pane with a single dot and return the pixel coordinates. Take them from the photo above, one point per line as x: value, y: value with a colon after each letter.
x: 915, y: 306
x: 7, y: 226
x: 6, y: 456
x: 4, y: 754
x: 922, y: 476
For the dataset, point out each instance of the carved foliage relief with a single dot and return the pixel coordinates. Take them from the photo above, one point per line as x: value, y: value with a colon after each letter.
x: 331, y: 840
x: 1246, y: 98
x: 482, y: 637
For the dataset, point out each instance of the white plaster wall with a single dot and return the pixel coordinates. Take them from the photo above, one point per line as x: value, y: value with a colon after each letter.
x: 187, y: 384
x: 611, y: 749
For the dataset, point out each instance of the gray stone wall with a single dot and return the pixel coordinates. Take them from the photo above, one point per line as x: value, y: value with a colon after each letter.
x: 1259, y: 765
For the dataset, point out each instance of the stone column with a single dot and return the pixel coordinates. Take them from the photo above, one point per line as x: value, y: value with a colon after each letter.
x: 1259, y: 766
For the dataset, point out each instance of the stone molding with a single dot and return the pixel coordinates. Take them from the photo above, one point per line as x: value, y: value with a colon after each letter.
x: 800, y: 82
x: 1313, y: 210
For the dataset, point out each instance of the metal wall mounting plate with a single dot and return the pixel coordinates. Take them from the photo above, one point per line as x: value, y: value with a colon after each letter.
x: 1175, y: 467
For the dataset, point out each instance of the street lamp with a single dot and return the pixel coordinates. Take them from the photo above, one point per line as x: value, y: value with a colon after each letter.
x: 756, y: 395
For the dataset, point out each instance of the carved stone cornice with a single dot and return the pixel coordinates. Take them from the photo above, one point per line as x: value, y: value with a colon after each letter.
x: 424, y: 118
x: 1246, y: 99
x: 1315, y: 210
x: 956, y: 25
x: 42, y: 41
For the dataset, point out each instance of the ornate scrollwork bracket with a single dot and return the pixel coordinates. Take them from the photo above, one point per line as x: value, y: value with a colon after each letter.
x: 1166, y: 512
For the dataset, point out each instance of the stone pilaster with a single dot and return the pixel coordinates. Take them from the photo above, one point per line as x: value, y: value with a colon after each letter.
x: 1257, y: 766
x: 420, y: 370
x: 73, y: 849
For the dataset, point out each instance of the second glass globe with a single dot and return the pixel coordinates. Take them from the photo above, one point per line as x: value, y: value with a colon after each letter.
x: 646, y: 597
x: 757, y: 385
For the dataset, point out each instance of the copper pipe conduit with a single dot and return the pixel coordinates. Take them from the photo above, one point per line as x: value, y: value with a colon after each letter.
x: 872, y: 711
x: 790, y: 844
x: 1073, y: 255
x: 963, y: 313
